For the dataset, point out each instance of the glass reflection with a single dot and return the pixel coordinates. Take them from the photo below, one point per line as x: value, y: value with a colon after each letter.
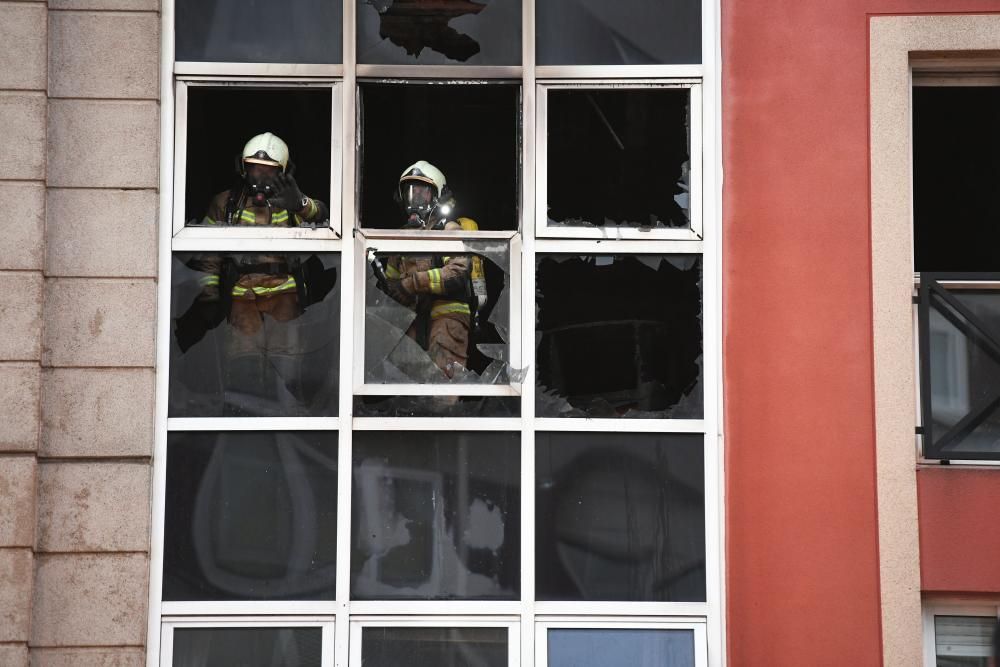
x: 963, y: 641
x: 570, y: 647
x: 620, y: 517
x: 435, y: 515
x: 250, y: 516
x: 434, y: 647
x: 254, y: 335
x: 247, y: 647
x: 434, y: 406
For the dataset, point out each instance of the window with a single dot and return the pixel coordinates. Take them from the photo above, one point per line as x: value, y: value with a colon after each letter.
x: 472, y: 413
x: 959, y: 635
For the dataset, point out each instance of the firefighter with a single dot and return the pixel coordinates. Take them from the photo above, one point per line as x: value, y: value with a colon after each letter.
x: 444, y: 291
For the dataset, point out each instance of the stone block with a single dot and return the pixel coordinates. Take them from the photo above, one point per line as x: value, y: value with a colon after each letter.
x: 89, y: 600
x: 15, y: 594
x: 107, y: 233
x: 82, y: 65
x: 93, y: 506
x: 22, y: 117
x: 21, y: 314
x: 87, y: 657
x: 22, y: 46
x: 20, y: 385
x: 22, y: 225
x: 97, y: 412
x: 117, y: 138
x: 17, y: 508
x: 99, y: 322
x: 128, y: 5
x: 14, y: 655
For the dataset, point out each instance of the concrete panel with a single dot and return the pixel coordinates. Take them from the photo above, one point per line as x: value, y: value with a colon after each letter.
x: 82, y: 65
x: 22, y: 117
x: 97, y: 412
x: 20, y: 384
x: 89, y: 600
x: 14, y: 655
x: 22, y: 224
x: 99, y: 322
x: 87, y: 657
x: 92, y: 506
x: 15, y: 594
x: 21, y: 314
x: 22, y: 46
x: 82, y: 239
x: 118, y: 138
x: 130, y: 5
x: 17, y: 508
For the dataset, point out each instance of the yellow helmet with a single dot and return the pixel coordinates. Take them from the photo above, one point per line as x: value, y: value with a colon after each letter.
x: 266, y: 149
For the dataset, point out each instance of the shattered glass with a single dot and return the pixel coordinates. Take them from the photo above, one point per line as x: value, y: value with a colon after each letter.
x: 400, y: 337
x: 434, y: 647
x: 254, y: 335
x: 435, y: 515
x: 619, y: 336
x: 620, y: 516
x: 439, y: 32
x: 625, y: 32
x: 434, y: 406
x: 248, y: 647
x: 641, y: 139
x: 251, y: 516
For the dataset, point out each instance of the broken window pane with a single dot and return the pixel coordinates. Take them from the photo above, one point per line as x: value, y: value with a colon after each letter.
x: 625, y: 32
x: 250, y: 516
x: 620, y: 517
x: 619, y: 157
x: 219, y: 190
x: 591, y: 647
x: 254, y: 334
x: 439, y: 32
x: 469, y: 131
x: 434, y: 647
x: 619, y: 336
x: 434, y: 406
x: 440, y: 317
x: 248, y: 647
x: 268, y: 31
x: 435, y: 515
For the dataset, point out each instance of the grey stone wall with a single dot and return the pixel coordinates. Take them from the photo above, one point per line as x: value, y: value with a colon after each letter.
x: 79, y: 84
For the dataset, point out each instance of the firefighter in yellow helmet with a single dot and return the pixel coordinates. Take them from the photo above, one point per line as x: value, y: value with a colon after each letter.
x: 444, y: 291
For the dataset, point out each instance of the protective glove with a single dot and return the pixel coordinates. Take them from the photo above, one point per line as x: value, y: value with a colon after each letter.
x: 286, y: 193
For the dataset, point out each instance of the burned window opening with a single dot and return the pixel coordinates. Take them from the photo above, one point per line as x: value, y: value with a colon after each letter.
x: 254, y: 335
x: 619, y: 336
x: 470, y: 132
x: 300, y: 117
x: 619, y: 157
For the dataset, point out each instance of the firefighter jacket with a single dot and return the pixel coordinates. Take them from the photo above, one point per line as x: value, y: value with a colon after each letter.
x: 260, y: 215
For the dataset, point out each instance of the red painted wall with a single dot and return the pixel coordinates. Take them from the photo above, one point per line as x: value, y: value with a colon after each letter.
x: 802, y: 532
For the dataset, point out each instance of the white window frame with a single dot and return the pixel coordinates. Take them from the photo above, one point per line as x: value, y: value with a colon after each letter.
x: 359, y: 623
x: 543, y: 625
x: 226, y: 233
x: 169, y: 625
x: 695, y: 232
x: 957, y: 607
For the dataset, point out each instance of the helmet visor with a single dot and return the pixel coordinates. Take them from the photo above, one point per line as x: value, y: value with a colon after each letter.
x: 417, y: 197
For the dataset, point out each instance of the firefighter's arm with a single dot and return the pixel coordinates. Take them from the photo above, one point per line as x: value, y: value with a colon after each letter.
x: 396, y: 285
x: 450, y: 280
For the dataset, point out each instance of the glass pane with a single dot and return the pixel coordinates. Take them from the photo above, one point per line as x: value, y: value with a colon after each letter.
x: 640, y: 138
x: 439, y: 318
x: 219, y: 191
x: 619, y: 336
x: 251, y: 516
x: 963, y: 641
x: 620, y: 648
x: 259, y: 31
x: 247, y: 647
x: 254, y: 335
x: 436, y: 515
x: 963, y: 375
x: 434, y: 647
x: 439, y: 32
x: 434, y: 406
x: 620, y: 517
x: 625, y: 32
x: 469, y: 131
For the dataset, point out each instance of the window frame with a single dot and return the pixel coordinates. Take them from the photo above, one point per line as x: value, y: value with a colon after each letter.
x: 170, y: 624
x: 543, y: 625
x: 361, y: 621
x: 956, y: 607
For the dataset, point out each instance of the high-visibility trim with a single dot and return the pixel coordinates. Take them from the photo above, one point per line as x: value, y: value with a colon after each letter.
x: 280, y: 217
x: 287, y: 286
x: 392, y: 272
x: 248, y: 216
x: 450, y: 308
x: 434, y: 276
x: 209, y: 281
x: 207, y: 220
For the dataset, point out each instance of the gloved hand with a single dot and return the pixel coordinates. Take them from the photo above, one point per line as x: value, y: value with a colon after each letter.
x: 286, y: 193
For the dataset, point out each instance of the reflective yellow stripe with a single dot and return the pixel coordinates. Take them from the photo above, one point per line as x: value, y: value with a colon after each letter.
x: 209, y: 281
x: 434, y: 275
x: 445, y: 259
x: 207, y: 220
x: 286, y: 286
x: 449, y: 307
x: 391, y: 271
x: 279, y: 218
x: 247, y: 216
